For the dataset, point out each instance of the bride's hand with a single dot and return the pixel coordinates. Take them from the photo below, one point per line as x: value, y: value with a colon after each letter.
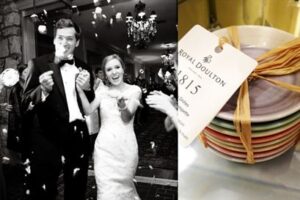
x: 121, y: 103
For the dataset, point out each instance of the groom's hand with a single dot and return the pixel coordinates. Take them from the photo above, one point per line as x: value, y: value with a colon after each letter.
x: 83, y: 80
x: 46, y: 81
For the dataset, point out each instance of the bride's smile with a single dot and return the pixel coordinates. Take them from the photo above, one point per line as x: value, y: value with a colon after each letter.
x: 114, y: 72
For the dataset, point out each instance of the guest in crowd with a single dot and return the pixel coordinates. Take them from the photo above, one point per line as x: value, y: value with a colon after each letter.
x: 2, y: 180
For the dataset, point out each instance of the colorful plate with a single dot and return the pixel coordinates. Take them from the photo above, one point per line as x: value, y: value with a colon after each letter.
x: 259, y: 126
x: 268, y: 102
x: 266, y: 147
x: 254, y: 133
x: 256, y: 155
x: 236, y: 139
x: 239, y: 160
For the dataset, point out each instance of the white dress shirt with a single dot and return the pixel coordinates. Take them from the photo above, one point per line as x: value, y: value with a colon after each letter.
x: 68, y: 73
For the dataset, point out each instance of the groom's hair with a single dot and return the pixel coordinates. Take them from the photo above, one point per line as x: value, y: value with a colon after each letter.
x: 67, y: 23
x: 109, y: 58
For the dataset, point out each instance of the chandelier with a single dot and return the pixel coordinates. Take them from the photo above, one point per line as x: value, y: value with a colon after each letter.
x: 140, y: 28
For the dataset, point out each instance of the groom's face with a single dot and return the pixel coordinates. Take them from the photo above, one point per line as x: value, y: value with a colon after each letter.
x: 65, y: 42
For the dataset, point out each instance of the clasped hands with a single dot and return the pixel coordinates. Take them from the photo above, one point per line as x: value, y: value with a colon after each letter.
x: 82, y: 80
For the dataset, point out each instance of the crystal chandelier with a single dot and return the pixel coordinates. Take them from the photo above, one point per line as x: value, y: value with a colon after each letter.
x: 141, y: 29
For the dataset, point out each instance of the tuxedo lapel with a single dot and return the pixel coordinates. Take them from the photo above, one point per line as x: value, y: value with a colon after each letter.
x: 57, y: 78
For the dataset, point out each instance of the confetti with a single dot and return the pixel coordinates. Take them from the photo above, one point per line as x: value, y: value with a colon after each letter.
x: 150, y: 167
x: 27, y: 161
x: 28, y: 170
x: 28, y: 192
x: 94, y: 187
x: 4, y: 131
x: 6, y: 158
x: 45, y: 12
x: 96, y: 2
x: 63, y: 159
x: 82, y: 155
x: 44, y: 186
x: 98, y: 10
x: 152, y: 143
x: 75, y: 128
x: 42, y: 29
x: 75, y: 171
x: 134, y: 180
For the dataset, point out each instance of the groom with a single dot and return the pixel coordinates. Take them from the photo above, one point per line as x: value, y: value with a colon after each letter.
x: 58, y: 138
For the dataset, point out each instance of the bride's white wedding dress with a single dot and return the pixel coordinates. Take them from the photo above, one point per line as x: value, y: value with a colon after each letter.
x: 116, y: 151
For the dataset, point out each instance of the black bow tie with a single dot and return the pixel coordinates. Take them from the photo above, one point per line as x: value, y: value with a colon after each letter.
x: 62, y: 62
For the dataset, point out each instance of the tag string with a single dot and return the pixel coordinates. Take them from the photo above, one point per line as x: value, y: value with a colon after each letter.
x: 279, y: 61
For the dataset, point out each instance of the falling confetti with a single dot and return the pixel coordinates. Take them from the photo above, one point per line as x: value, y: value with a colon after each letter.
x: 108, y: 1
x: 75, y: 171
x: 134, y: 180
x: 42, y: 29
x: 63, y: 159
x: 81, y: 133
x: 98, y: 10
x: 104, y: 16
x: 152, y: 143
x: 128, y: 46
x: 27, y: 161
x: 150, y: 167
x: 157, y: 195
x: 28, y: 192
x: 96, y: 2
x: 111, y: 21
x: 94, y: 187
x: 45, y: 12
x: 90, y: 166
x: 4, y: 131
x: 6, y: 158
x: 82, y: 155
x: 28, y: 170
x: 119, y: 15
x: 96, y: 35
x: 75, y: 128
x: 44, y: 187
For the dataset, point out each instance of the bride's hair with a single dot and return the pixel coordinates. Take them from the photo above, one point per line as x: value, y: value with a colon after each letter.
x: 109, y: 58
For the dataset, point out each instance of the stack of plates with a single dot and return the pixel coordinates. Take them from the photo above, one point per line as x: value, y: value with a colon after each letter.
x: 275, y: 112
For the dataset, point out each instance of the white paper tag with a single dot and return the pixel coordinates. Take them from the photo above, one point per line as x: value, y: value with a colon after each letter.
x: 206, y: 79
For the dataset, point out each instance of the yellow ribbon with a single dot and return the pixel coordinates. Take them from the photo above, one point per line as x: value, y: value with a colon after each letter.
x: 276, y: 62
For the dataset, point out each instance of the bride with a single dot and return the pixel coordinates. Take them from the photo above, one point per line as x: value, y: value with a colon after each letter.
x: 116, y: 149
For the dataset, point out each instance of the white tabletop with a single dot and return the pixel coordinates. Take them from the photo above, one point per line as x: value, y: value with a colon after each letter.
x: 204, y: 175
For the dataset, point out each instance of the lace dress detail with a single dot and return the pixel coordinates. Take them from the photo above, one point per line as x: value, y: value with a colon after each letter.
x: 116, y: 150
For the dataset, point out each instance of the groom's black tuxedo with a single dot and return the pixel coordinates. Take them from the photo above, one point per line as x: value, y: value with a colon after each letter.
x: 54, y: 142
